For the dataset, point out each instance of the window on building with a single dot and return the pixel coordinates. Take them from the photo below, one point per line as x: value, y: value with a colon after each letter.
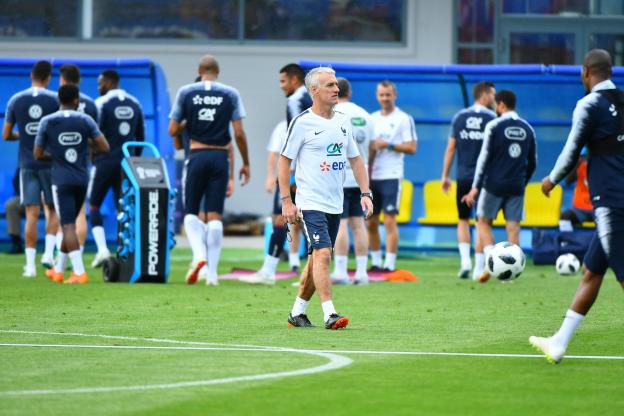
x: 33, y: 18
x: 475, y: 31
x: 313, y: 20
x: 185, y: 19
x: 564, y: 7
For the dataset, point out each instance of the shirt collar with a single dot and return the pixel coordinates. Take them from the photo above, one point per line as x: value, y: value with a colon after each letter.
x: 510, y: 114
x: 607, y: 84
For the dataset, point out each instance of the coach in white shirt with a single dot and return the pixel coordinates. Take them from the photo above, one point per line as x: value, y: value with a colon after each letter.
x: 395, y: 135
x: 321, y: 141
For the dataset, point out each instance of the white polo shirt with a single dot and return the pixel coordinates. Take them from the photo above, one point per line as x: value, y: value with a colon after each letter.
x: 321, y: 148
x: 363, y: 132
x: 395, y: 128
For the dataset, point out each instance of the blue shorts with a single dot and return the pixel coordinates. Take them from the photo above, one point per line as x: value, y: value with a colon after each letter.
x: 489, y: 204
x: 320, y: 229
x: 35, y: 183
x: 607, y: 247
x: 386, y: 195
x: 351, y: 206
x: 206, y: 174
x: 68, y: 200
x: 104, y: 176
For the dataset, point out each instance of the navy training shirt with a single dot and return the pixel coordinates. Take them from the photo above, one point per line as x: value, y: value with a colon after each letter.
x: 595, y: 120
x: 508, y: 157
x: 121, y: 120
x: 297, y: 102
x: 467, y: 128
x: 87, y: 106
x: 65, y: 135
x: 26, y: 108
x: 208, y: 107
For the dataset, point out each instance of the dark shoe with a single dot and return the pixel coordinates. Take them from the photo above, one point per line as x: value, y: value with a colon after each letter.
x: 387, y: 270
x: 300, y: 321
x: 375, y: 269
x: 294, y: 269
x: 336, y: 321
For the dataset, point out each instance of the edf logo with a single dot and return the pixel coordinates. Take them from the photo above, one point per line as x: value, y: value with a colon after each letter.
x: 326, y: 167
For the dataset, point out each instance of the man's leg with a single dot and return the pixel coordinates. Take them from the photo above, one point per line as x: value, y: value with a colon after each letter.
x: 293, y: 248
x: 488, y: 206
x: 81, y: 226
x: 392, y: 241
x: 360, y: 245
x: 374, y: 242
x: 463, y: 229
x: 12, y: 210
x: 298, y: 317
x: 513, y: 231
x: 195, y: 229
x: 99, y: 183
x: 52, y: 228
x: 341, y: 254
x: 484, y: 230
x: 30, y: 237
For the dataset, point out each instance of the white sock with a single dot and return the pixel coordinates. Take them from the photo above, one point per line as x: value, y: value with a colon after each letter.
x: 195, y: 230
x: 464, y: 254
x: 487, y: 249
x: 100, y: 239
x: 360, y: 262
x: 479, y: 264
x: 59, y: 240
x: 293, y: 259
x: 389, y: 262
x: 76, y: 260
x: 30, y: 257
x: 82, y: 249
x: 376, y: 258
x: 300, y: 306
x: 214, y: 237
x: 565, y: 225
x: 269, y: 265
x: 340, y: 266
x: 50, y: 242
x: 328, y: 309
x: 571, y: 321
x: 61, y: 258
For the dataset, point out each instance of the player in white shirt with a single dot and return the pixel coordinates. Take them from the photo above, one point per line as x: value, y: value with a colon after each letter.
x: 321, y: 142
x: 352, y: 214
x: 395, y: 136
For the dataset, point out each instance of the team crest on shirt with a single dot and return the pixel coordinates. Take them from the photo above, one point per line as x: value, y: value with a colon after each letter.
x: 515, y: 150
x: 35, y: 111
x: 335, y: 149
x: 71, y: 155
x: 124, y: 128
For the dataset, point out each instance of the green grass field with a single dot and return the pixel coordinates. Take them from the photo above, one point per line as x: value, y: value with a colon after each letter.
x: 195, y: 333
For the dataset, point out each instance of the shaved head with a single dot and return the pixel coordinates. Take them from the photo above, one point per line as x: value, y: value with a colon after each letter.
x: 598, y: 63
x: 208, y: 63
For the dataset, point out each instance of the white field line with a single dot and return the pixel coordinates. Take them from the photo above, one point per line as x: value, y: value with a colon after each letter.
x: 335, y: 362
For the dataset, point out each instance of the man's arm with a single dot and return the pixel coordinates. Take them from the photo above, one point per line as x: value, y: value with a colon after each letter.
x: 361, y: 177
x: 449, y: 154
x: 39, y: 154
x: 8, y: 133
x: 270, y: 179
x: 532, y: 162
x: 241, y: 143
x: 230, y: 186
x: 289, y: 209
x: 100, y: 144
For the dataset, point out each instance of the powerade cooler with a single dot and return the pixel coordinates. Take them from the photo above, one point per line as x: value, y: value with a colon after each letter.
x: 145, y: 234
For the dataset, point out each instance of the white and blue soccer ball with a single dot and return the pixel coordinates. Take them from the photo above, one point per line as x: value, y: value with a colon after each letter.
x: 505, y: 261
x: 567, y: 264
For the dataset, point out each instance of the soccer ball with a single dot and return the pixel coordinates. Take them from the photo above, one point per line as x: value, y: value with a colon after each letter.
x: 567, y: 264
x: 505, y: 261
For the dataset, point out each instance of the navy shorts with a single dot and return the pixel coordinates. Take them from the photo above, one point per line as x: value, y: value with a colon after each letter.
x: 320, y: 229
x: 351, y: 206
x: 206, y: 175
x: 386, y: 195
x: 489, y: 204
x: 277, y: 199
x: 35, y: 183
x: 68, y: 200
x: 104, y: 176
x: 607, y: 247
x: 463, y: 210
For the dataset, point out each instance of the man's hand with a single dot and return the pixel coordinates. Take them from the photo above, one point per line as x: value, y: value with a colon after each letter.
x: 446, y: 184
x: 230, y: 188
x: 290, y: 211
x: 471, y: 197
x: 243, y: 175
x: 379, y: 144
x: 547, y: 186
x: 269, y: 185
x: 367, y: 206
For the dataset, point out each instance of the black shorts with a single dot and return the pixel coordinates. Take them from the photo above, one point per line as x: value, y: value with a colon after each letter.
x: 386, y: 195
x: 68, y: 200
x: 104, y: 176
x: 206, y: 174
x: 277, y: 199
x: 320, y: 229
x: 464, y: 211
x: 607, y: 247
x: 351, y: 206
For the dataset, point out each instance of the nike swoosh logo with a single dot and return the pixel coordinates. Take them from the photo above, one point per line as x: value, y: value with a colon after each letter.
x: 316, y: 133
